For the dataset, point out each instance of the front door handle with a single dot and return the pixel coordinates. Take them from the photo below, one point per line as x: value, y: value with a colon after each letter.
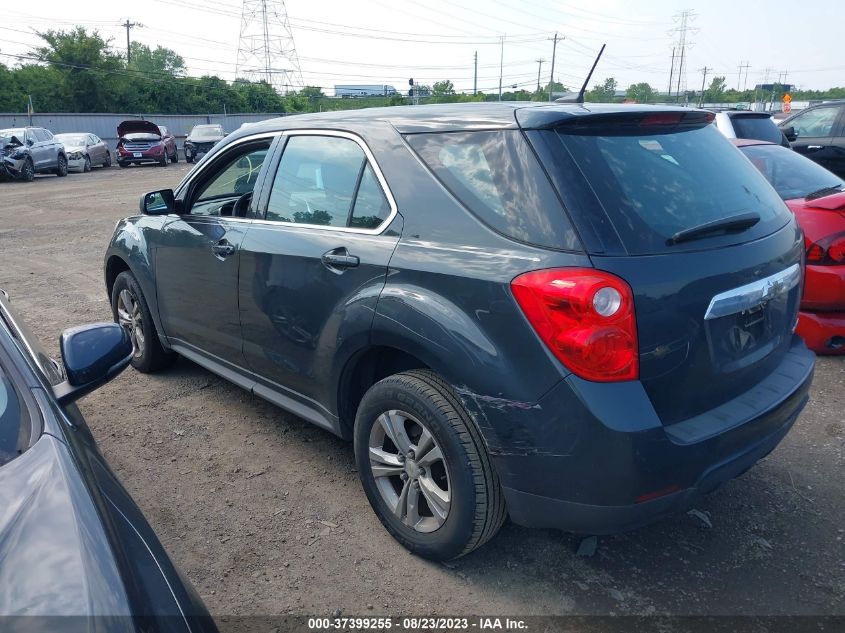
x: 223, y: 248
x: 339, y: 258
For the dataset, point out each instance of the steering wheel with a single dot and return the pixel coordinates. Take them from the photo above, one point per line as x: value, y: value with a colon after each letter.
x: 242, y: 205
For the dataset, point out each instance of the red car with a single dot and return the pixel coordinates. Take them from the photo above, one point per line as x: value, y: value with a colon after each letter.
x: 145, y: 142
x: 817, y: 197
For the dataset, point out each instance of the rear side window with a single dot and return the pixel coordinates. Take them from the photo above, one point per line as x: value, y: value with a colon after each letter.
x: 791, y: 174
x: 655, y: 183
x: 327, y: 181
x: 761, y: 128
x: 497, y: 177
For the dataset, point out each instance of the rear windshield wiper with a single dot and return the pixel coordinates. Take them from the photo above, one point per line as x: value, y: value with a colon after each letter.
x: 732, y: 223
x: 824, y: 191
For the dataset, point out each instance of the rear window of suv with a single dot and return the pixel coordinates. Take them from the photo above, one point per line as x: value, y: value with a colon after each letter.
x: 496, y: 176
x: 655, y: 181
x: 759, y: 127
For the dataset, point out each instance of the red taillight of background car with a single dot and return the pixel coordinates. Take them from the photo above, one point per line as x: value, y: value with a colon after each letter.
x: 586, y: 318
x: 829, y: 251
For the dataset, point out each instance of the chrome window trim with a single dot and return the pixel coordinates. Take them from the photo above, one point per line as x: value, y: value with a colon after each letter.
x: 753, y: 294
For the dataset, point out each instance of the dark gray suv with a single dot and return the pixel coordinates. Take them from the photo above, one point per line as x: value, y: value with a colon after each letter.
x: 27, y: 151
x: 582, y: 317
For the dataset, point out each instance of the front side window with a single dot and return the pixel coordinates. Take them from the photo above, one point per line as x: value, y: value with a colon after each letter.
x: 15, y: 426
x: 814, y: 123
x: 235, y: 177
x: 326, y: 181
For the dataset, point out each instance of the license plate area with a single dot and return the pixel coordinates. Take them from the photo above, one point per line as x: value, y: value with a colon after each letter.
x: 136, y: 154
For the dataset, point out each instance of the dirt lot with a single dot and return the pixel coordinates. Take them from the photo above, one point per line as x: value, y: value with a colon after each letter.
x: 265, y: 514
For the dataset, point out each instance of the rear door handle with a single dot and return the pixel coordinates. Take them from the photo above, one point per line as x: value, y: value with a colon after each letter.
x: 339, y: 258
x: 223, y: 248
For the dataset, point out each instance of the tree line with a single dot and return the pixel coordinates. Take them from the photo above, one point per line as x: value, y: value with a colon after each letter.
x: 78, y: 71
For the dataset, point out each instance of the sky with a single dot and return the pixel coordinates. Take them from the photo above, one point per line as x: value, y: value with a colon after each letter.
x: 389, y: 41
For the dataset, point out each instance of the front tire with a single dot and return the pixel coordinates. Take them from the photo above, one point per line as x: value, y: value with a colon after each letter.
x: 424, y: 467
x: 130, y: 311
x: 27, y: 173
x: 61, y: 168
x: 175, y: 157
x: 108, y: 160
x: 87, y: 166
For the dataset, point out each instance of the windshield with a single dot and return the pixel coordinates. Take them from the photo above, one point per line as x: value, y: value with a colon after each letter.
x: 792, y: 175
x: 6, y: 135
x: 760, y: 128
x: 655, y: 181
x: 73, y: 139
x: 204, y: 131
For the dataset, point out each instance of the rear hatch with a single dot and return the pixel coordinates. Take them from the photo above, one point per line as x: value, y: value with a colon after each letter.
x: 649, y: 192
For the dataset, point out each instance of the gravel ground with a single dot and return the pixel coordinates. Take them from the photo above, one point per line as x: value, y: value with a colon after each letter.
x: 265, y: 515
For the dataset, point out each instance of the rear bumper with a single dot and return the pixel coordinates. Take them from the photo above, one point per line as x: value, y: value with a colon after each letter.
x: 823, y: 332
x: 601, y: 462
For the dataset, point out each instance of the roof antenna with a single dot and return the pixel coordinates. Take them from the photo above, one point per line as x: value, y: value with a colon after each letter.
x: 571, y: 97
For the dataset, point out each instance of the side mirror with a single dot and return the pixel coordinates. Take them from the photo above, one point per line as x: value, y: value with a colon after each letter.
x: 30, y: 142
x: 92, y: 355
x: 159, y: 202
x: 790, y: 133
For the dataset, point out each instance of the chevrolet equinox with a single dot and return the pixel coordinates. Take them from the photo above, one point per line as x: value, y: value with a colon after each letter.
x: 578, y: 316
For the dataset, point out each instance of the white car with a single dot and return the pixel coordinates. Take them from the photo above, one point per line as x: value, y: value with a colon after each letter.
x: 85, y: 150
x: 749, y: 124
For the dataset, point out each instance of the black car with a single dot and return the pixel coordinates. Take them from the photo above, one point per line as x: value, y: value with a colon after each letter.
x: 72, y: 541
x: 580, y: 316
x: 201, y: 139
x: 818, y: 132
x: 27, y: 151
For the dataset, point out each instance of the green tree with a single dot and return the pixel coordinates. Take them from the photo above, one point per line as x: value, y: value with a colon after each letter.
x: 715, y: 92
x: 640, y: 93
x: 603, y: 93
x: 442, y: 88
x: 85, y: 65
x: 158, y: 61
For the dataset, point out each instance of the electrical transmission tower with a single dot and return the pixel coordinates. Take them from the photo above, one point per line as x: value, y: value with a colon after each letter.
x: 678, y: 72
x: 266, y: 51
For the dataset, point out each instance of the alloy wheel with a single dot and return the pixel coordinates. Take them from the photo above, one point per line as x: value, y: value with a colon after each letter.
x: 129, y: 316
x: 410, y: 471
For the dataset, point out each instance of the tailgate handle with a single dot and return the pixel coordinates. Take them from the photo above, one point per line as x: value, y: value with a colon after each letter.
x: 753, y: 294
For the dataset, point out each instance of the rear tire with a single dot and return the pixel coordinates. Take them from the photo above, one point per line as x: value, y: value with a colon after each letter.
x: 123, y: 164
x: 61, y: 168
x: 433, y: 521
x: 130, y: 310
x: 189, y: 158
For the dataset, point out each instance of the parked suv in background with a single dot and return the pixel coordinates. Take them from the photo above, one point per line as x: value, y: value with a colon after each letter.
x: 27, y: 151
x: 748, y: 124
x: 201, y: 139
x: 580, y: 316
x: 145, y: 142
x: 818, y: 132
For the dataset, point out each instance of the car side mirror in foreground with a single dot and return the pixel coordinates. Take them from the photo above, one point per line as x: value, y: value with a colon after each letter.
x: 92, y: 355
x: 158, y: 202
x: 789, y: 133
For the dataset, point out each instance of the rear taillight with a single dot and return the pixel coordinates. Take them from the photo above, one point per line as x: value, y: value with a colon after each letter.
x: 829, y: 251
x: 586, y: 318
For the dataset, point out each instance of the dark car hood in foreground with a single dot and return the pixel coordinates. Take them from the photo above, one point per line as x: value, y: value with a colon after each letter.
x: 138, y: 127
x: 52, y: 555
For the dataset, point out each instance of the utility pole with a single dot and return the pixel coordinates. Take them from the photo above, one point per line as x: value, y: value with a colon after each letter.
x: 129, y: 25
x: 684, y: 18
x: 539, y: 70
x: 742, y: 65
x: 552, y: 77
x: 671, y: 72
x: 501, y: 63
x: 703, y: 81
x: 475, y: 75
x: 745, y: 81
